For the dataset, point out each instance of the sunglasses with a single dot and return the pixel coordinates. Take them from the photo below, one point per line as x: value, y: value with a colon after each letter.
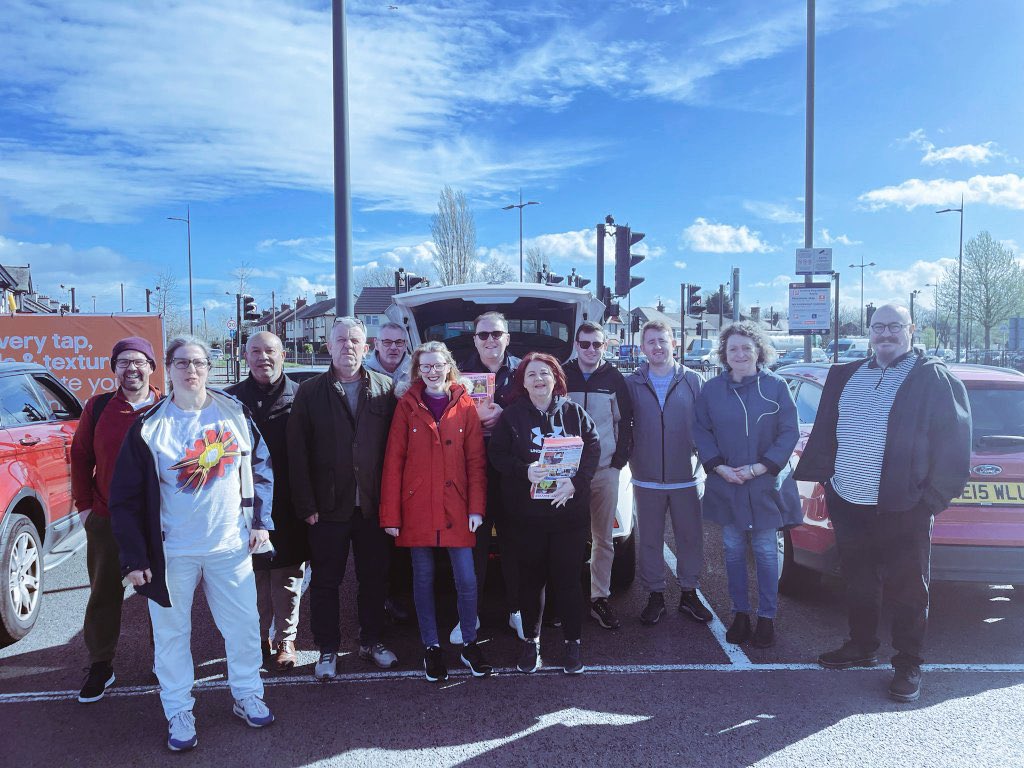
x: 587, y: 344
x: 482, y: 335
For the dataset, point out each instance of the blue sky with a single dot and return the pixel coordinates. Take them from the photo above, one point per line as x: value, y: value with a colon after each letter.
x: 684, y: 119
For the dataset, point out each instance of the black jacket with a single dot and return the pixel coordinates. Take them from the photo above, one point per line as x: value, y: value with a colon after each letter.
x: 502, y: 378
x: 330, y: 448
x: 270, y: 408
x: 516, y: 444
x: 927, y: 457
x: 606, y: 398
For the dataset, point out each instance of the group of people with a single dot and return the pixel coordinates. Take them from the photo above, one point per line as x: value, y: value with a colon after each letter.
x: 388, y: 455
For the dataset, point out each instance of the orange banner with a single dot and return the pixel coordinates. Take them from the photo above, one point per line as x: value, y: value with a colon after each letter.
x: 76, y: 348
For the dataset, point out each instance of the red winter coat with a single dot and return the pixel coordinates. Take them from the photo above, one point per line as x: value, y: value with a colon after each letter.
x: 435, y: 474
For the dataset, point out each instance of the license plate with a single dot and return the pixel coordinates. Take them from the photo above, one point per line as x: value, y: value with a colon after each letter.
x: 992, y: 493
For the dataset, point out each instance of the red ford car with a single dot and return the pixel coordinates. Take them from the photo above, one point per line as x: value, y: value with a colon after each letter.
x: 980, y: 537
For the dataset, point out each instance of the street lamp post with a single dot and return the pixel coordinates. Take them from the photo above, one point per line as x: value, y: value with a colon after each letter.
x: 149, y: 293
x: 935, y: 299
x: 520, y: 205
x: 188, y: 235
x: 862, y: 266
x: 960, y: 272
x: 913, y: 294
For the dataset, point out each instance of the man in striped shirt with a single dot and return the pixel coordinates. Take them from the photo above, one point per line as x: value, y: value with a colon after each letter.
x: 891, y: 446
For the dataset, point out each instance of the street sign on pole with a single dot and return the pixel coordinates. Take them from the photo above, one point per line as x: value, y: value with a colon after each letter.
x: 231, y: 332
x: 809, y: 305
x: 232, y: 325
x: 813, y: 261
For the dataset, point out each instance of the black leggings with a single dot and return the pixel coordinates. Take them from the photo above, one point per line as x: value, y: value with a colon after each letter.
x: 552, y: 559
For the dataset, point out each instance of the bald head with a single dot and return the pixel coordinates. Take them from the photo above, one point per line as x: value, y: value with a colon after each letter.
x: 898, y: 310
x: 892, y: 332
x: 265, y: 355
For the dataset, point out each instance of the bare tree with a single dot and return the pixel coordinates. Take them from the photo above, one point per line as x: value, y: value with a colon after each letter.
x: 379, y: 276
x: 496, y: 270
x: 534, y: 258
x: 454, y: 234
x: 993, y: 285
x: 169, y: 304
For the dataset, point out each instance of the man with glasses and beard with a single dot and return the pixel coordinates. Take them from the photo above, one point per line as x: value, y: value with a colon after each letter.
x: 105, y: 421
x: 891, y: 446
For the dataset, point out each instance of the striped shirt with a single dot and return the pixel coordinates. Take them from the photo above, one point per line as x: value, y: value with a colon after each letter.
x: 661, y: 386
x: 864, y: 408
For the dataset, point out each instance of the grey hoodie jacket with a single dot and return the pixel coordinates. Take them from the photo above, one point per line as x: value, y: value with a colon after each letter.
x: 663, y: 445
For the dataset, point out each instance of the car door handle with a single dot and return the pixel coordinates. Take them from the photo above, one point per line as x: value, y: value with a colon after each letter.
x: 29, y: 440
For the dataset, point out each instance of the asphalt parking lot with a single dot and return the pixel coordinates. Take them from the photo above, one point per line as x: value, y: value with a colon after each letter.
x: 672, y: 694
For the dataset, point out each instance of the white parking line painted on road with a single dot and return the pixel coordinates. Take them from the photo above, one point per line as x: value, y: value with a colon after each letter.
x: 734, y: 653
x: 509, y: 673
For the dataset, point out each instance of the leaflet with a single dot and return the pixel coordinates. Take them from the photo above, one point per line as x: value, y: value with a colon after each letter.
x: 560, y: 457
x: 481, y: 387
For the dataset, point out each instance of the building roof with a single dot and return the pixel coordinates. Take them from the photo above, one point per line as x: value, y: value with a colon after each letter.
x: 374, y: 300
x: 22, y: 278
x: 321, y: 308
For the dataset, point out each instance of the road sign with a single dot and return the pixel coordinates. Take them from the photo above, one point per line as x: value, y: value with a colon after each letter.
x: 232, y: 325
x: 809, y: 308
x: 231, y: 333
x: 813, y: 261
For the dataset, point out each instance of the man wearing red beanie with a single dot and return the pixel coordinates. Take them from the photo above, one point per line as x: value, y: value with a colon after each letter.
x: 105, y: 421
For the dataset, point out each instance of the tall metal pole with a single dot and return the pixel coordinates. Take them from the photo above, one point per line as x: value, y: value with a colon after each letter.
x: 188, y: 241
x: 809, y: 156
x: 960, y: 272
x: 835, y: 321
x: 122, y: 297
x: 342, y: 205
x: 600, y: 264
x: 520, y: 234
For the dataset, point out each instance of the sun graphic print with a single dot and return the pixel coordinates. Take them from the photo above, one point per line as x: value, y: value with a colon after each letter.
x: 208, y: 458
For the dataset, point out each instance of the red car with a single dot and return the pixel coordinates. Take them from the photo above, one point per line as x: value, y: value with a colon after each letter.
x: 39, y: 527
x: 980, y: 537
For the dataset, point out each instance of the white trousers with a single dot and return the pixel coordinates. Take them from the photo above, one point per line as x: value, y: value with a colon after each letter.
x: 230, y: 590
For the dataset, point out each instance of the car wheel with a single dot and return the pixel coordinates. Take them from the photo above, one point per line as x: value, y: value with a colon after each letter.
x: 624, y: 564
x: 793, y: 578
x: 21, y: 579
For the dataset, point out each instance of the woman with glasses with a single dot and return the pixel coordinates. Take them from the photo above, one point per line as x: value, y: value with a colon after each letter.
x: 745, y: 430
x: 433, y: 493
x: 190, y: 501
x: 551, y: 533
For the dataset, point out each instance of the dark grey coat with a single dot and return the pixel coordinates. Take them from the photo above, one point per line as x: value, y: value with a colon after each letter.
x: 741, y: 423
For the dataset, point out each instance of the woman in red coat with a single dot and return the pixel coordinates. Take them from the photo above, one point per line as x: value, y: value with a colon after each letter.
x: 434, y: 492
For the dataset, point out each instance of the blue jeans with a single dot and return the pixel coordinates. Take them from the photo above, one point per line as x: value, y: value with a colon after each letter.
x: 766, y: 562
x: 423, y: 592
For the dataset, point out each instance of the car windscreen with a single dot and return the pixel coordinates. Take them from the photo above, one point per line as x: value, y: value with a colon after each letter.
x: 997, y: 418
x: 534, y: 325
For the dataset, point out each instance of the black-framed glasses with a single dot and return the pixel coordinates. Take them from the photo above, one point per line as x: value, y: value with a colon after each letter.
x: 183, y: 364
x: 428, y: 367
x: 588, y: 344
x: 393, y: 342
x: 890, y: 327
x: 124, y: 365
x: 482, y: 335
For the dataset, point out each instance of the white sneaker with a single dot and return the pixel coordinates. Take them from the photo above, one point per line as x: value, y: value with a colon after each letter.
x: 181, y: 732
x: 255, y: 713
x: 327, y: 667
x: 515, y: 621
x: 379, y: 655
x: 455, y: 638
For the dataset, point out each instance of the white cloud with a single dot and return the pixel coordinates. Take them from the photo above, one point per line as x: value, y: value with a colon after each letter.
x: 829, y: 239
x: 1006, y: 191
x: 704, y: 236
x: 975, y: 154
x: 679, y: 264
x: 1011, y: 245
x: 780, y: 213
x: 894, y: 285
x: 779, y: 281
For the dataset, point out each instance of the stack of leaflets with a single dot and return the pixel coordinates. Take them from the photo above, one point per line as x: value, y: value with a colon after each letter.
x: 480, y: 387
x: 560, y: 457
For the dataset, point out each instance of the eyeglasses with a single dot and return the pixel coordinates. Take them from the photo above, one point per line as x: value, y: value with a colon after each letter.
x: 587, y: 344
x: 124, y: 365
x: 200, y: 364
x: 393, y: 342
x: 482, y: 335
x: 890, y: 327
x: 427, y: 367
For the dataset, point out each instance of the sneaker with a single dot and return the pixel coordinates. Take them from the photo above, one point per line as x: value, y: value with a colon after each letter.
x: 529, y: 657
x: 455, y: 638
x: 764, y: 635
x: 654, y: 610
x: 906, y: 684
x: 99, y: 677
x: 571, y: 664
x: 327, y: 666
x: 850, y: 655
x: 285, y: 658
x: 515, y: 621
x: 433, y: 664
x: 691, y: 604
x: 378, y: 654
x: 739, y: 630
x: 601, y: 611
x: 255, y: 713
x: 181, y: 732
x: 473, y: 658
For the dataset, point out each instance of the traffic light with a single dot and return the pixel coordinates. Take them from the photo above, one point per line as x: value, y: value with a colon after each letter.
x: 550, y: 278
x: 693, y: 305
x: 625, y: 238
x: 249, y: 308
x: 635, y: 324
x: 411, y: 281
x: 700, y: 330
